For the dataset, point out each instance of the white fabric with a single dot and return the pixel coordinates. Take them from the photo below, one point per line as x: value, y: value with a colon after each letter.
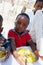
x: 37, y: 30
x: 12, y: 61
x: 31, y: 16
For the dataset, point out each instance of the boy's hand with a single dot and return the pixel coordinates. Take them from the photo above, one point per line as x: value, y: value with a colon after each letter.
x: 37, y: 54
x: 7, y: 55
x: 21, y: 61
x: 18, y: 58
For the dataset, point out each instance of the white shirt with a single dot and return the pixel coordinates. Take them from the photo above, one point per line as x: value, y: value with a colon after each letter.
x: 37, y: 31
x: 31, y: 16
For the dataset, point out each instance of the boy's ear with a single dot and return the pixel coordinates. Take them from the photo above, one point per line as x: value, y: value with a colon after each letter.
x: 15, y: 22
x: 34, y: 5
x: 1, y: 29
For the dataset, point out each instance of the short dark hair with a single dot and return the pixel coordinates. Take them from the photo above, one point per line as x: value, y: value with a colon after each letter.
x: 39, y: 1
x: 1, y: 18
x: 24, y: 14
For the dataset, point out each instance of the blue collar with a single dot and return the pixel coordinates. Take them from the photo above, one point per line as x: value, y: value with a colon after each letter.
x: 0, y: 35
x: 18, y: 33
x: 42, y: 11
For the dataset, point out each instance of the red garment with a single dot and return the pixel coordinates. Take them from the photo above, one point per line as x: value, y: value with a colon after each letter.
x: 19, y: 40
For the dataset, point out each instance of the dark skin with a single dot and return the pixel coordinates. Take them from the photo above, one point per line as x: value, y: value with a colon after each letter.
x: 1, y: 39
x: 38, y: 6
x: 1, y: 28
x: 1, y: 43
x: 21, y: 25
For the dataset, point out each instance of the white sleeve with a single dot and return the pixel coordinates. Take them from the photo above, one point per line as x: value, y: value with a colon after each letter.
x: 32, y: 30
x: 37, y: 31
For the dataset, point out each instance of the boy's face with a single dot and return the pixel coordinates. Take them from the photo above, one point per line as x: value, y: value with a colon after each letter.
x: 1, y: 27
x: 38, y: 6
x: 21, y: 23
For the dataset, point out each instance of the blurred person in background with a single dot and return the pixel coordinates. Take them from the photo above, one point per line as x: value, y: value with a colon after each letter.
x: 37, y: 6
x: 37, y: 32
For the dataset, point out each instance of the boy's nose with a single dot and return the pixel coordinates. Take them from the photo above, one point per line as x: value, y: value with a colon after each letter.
x: 21, y: 25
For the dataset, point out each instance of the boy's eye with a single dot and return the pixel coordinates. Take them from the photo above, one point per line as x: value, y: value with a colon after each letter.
x: 23, y: 25
x: 18, y: 22
x: 39, y: 6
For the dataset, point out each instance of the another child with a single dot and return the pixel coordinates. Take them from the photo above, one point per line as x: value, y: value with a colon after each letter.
x: 3, y: 42
x: 37, y: 6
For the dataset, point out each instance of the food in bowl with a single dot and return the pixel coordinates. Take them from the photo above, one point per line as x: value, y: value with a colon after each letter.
x: 28, y: 55
x: 2, y: 54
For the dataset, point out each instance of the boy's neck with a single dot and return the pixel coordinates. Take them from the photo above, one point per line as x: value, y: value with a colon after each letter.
x: 34, y: 11
x: 18, y: 32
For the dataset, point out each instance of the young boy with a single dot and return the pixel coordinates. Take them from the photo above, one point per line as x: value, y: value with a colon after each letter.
x: 20, y: 34
x: 3, y: 42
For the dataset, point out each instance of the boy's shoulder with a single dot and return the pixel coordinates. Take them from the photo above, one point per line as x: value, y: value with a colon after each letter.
x: 38, y: 12
x: 11, y: 31
x: 27, y: 33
